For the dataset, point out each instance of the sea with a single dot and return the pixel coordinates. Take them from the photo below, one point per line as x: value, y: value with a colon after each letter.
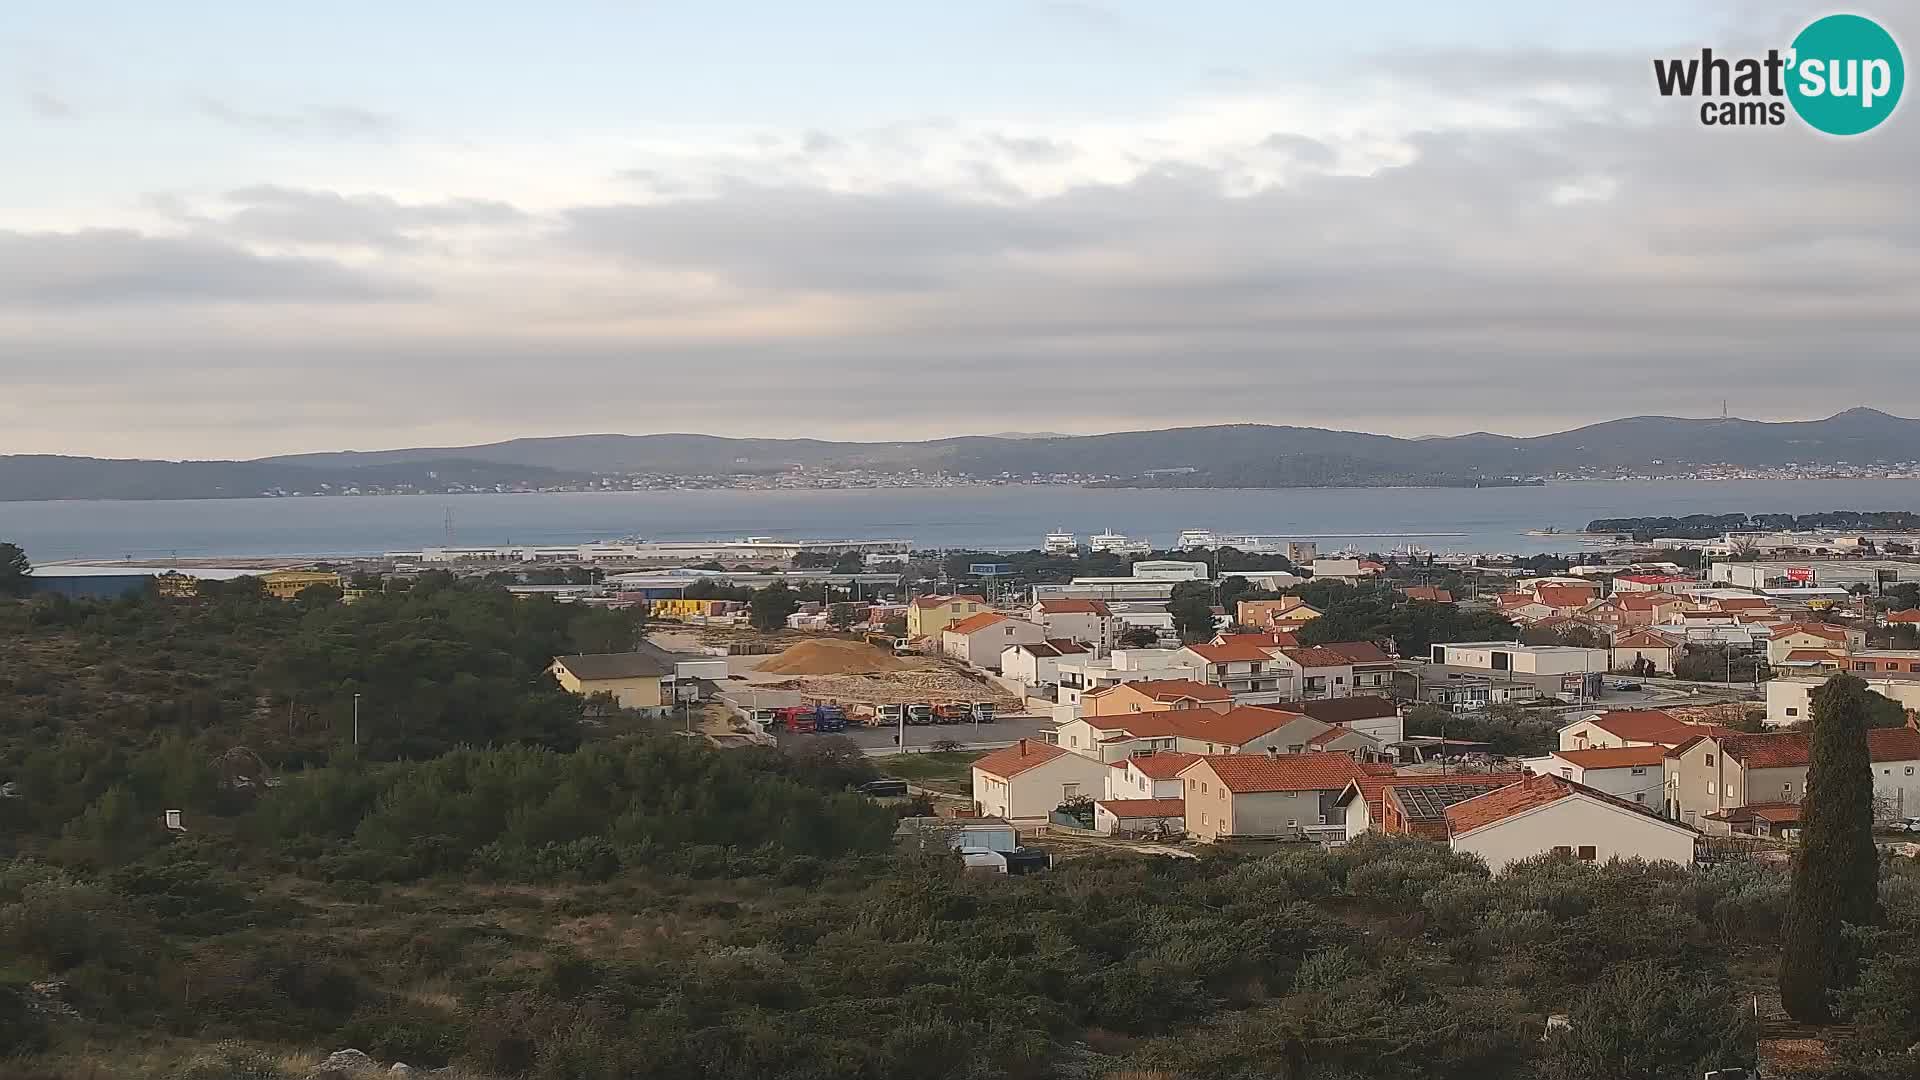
x: 984, y: 517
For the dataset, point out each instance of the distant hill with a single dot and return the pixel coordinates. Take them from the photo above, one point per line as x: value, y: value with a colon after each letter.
x: 1225, y: 455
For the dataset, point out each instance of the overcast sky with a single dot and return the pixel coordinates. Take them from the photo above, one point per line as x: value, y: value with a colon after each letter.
x: 239, y: 228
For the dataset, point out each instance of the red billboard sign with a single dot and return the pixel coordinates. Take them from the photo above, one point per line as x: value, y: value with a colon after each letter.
x: 1800, y: 573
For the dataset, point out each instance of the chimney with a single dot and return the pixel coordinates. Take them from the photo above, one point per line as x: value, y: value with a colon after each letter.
x: 1023, y: 748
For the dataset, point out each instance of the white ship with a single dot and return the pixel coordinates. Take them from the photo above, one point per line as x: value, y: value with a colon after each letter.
x: 1061, y: 542
x: 1196, y: 538
x: 1117, y: 544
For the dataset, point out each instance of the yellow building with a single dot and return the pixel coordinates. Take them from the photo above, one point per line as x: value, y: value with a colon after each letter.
x: 287, y: 584
x: 635, y: 680
x: 929, y: 616
x: 681, y: 608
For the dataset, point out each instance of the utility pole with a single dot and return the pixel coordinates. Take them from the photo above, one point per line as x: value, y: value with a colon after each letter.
x: 356, y: 720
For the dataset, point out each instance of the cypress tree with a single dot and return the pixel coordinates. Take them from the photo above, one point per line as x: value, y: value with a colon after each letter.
x: 1836, y: 872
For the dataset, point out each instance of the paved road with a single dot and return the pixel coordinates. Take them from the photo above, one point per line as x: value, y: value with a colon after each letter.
x: 1001, y: 732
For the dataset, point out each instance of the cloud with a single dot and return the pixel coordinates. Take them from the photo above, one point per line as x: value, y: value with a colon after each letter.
x: 1520, y: 240
x: 117, y: 267
x: 48, y: 106
x: 307, y: 121
x: 332, y: 219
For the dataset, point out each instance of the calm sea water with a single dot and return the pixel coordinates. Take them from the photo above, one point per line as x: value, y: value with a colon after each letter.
x: 998, y: 517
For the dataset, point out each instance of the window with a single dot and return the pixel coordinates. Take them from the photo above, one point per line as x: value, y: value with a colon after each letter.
x: 1709, y: 760
x: 1203, y: 817
x: 1793, y: 712
x: 1073, y: 740
x: 1637, y: 770
x: 1293, y: 823
x: 1070, y: 791
x: 1587, y: 853
x: 1709, y: 787
x: 1562, y: 849
x: 1640, y: 796
x: 1323, y: 819
x: 1203, y: 787
x: 1787, y: 788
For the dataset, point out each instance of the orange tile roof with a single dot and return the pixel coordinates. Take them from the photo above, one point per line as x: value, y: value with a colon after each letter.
x: 1816, y: 654
x: 1910, y: 615
x: 1144, y: 808
x: 1010, y: 761
x: 1359, y: 652
x: 1825, y: 630
x: 1075, y: 607
x: 1565, y: 596
x: 1635, y: 601
x: 1231, y: 653
x: 1245, y: 774
x: 1614, y: 757
x: 1162, y: 765
x: 1742, y: 603
x: 1428, y: 593
x: 1272, y: 639
x: 1169, y: 690
x: 1317, y: 656
x: 1792, y: 749
x: 1653, y: 726
x: 1777, y: 813
x: 1332, y: 734
x: 973, y: 623
x: 1502, y: 803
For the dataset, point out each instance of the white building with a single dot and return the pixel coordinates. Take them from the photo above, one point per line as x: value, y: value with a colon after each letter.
x: 1552, y: 814
x: 1170, y: 570
x: 1347, y: 570
x: 1790, y: 698
x: 1025, y: 782
x: 1107, y: 588
x: 1080, y: 675
x: 1522, y: 659
x: 980, y: 640
x: 1634, y: 773
x: 1090, y: 622
x: 1148, y: 776
x: 1036, y: 663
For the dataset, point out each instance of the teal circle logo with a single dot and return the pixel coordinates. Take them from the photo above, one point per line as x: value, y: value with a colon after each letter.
x: 1846, y: 74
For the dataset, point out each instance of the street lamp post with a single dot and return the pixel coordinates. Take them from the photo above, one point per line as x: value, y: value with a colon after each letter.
x: 356, y: 720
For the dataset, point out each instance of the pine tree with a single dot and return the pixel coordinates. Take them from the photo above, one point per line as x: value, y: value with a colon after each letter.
x: 1836, y: 873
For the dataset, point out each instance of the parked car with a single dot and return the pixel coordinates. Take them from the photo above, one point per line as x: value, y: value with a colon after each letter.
x: 1625, y: 686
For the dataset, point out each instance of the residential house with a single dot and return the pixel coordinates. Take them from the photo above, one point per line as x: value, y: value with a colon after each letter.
x: 1632, y: 727
x: 1240, y: 730
x: 1372, y: 668
x: 1154, y: 695
x: 1356, y: 744
x: 1037, y: 663
x: 1790, y: 697
x: 1790, y: 636
x: 1148, y: 776
x: 928, y: 616
x: 1288, y: 796
x: 1370, y: 714
x: 1884, y: 662
x: 1264, y: 614
x: 980, y: 640
x: 1813, y: 662
x: 1634, y: 773
x: 1252, y: 673
x: 1321, y: 671
x: 1908, y: 617
x: 1025, y: 782
x: 288, y: 584
x: 635, y: 680
x: 1365, y: 804
x: 1346, y: 570
x: 1629, y: 649
x: 1627, y: 611
x: 960, y: 834
x: 1776, y: 819
x: 1715, y: 773
x: 1552, y: 814
x: 1090, y: 622
x: 1428, y: 594
x: 1081, y: 675
x: 1140, y: 817
x: 1261, y: 639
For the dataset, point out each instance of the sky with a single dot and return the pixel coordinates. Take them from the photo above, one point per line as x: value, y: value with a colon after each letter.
x: 233, y: 229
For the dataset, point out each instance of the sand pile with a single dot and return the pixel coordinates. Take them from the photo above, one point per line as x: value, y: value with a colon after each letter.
x: 832, y: 657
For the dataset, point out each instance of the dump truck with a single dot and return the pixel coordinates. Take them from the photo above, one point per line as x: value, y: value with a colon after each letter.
x: 920, y: 714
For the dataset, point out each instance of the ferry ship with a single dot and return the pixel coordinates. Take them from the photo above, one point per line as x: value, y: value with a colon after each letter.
x: 1061, y: 542
x: 1117, y: 544
x: 1196, y: 538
